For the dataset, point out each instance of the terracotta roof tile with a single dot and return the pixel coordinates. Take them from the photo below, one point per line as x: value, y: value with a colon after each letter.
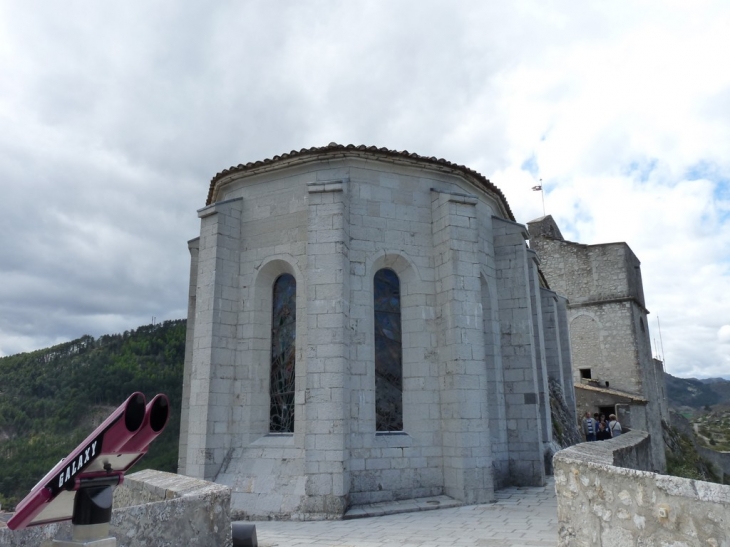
x: 340, y: 148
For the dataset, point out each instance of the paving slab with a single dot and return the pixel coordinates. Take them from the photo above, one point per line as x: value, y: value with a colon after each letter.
x: 521, y: 517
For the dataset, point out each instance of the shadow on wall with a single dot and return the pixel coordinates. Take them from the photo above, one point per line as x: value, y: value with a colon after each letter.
x: 606, y: 498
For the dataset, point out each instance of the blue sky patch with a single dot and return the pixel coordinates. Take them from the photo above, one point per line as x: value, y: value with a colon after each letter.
x: 530, y: 165
x: 711, y: 171
x: 702, y: 170
x: 640, y: 170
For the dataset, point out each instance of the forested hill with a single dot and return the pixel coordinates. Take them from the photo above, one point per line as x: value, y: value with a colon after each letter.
x: 51, y: 399
x: 693, y: 393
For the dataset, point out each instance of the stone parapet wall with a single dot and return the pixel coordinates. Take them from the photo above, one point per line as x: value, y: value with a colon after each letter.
x: 152, y: 508
x: 604, y: 503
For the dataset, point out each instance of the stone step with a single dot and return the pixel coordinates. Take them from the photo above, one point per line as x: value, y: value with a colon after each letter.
x: 401, y: 506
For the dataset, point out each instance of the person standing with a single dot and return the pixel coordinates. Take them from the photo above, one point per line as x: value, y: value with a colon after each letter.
x: 589, y: 427
x: 603, y: 433
x: 614, y: 426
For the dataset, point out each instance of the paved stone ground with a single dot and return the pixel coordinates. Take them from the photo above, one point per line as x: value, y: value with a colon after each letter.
x: 521, y: 517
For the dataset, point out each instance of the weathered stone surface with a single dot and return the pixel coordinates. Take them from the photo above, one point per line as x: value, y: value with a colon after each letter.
x: 604, y: 501
x: 565, y: 431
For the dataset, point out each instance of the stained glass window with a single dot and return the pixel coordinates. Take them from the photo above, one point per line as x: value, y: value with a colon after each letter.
x: 283, y: 343
x: 388, y: 352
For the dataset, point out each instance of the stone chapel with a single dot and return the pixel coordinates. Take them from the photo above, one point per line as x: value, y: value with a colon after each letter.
x: 366, y: 325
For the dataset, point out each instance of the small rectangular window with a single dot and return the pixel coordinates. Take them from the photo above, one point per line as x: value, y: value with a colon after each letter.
x: 585, y: 373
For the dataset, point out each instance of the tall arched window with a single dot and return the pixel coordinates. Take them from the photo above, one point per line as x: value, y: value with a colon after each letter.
x: 388, y: 352
x: 283, y: 345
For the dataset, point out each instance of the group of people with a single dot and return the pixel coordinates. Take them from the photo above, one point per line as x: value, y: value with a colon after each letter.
x: 596, y: 428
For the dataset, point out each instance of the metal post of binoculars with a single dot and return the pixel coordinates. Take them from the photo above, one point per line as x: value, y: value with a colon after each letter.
x: 92, y: 514
x: 80, y: 487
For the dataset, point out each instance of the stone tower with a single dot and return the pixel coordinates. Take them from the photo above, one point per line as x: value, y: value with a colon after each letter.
x: 612, y: 361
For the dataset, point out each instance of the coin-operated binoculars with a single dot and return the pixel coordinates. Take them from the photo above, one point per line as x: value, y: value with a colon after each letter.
x: 81, y: 485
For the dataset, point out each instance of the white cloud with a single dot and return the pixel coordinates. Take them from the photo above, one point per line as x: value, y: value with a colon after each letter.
x: 620, y: 128
x: 116, y: 116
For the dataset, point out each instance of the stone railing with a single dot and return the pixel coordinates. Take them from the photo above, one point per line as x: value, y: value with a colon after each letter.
x: 606, y: 499
x: 152, y: 508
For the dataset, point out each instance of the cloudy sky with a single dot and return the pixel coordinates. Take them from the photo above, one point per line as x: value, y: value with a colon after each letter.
x: 114, y: 117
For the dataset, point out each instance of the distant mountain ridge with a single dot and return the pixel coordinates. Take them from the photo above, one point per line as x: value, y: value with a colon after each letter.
x: 694, y: 393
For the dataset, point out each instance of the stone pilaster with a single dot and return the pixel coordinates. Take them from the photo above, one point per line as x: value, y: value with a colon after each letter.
x: 495, y: 385
x: 551, y: 328
x: 543, y: 392
x: 464, y: 407
x: 193, y: 247
x: 524, y: 432
x: 327, y: 386
x: 213, y: 354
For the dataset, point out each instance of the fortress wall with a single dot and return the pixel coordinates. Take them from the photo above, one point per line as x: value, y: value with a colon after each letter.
x: 151, y: 508
x: 606, y: 499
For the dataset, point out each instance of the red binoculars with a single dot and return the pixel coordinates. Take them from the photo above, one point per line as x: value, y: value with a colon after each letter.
x: 102, y: 458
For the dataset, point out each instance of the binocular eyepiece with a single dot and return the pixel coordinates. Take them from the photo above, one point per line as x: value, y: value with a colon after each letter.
x: 140, y: 425
x: 155, y: 418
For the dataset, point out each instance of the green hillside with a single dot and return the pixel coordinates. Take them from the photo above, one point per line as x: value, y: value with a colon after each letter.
x: 51, y: 399
x: 690, y: 392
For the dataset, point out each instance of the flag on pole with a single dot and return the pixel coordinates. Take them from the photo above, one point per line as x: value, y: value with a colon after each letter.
x: 538, y: 188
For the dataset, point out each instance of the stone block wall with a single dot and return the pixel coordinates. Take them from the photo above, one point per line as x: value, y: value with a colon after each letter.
x: 606, y: 308
x: 210, y: 373
x: 604, y: 340
x: 467, y: 459
x: 557, y: 345
x: 538, y: 329
x: 475, y: 412
x: 590, y: 272
x: 605, y: 499
x: 524, y: 428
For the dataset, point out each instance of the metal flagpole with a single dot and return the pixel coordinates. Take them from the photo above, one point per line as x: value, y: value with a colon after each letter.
x: 661, y: 342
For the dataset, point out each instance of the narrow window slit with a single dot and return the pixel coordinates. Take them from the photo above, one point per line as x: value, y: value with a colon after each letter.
x: 283, y: 352
x: 388, y: 352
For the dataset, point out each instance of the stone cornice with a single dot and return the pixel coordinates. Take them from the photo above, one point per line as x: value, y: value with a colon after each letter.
x: 610, y: 301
